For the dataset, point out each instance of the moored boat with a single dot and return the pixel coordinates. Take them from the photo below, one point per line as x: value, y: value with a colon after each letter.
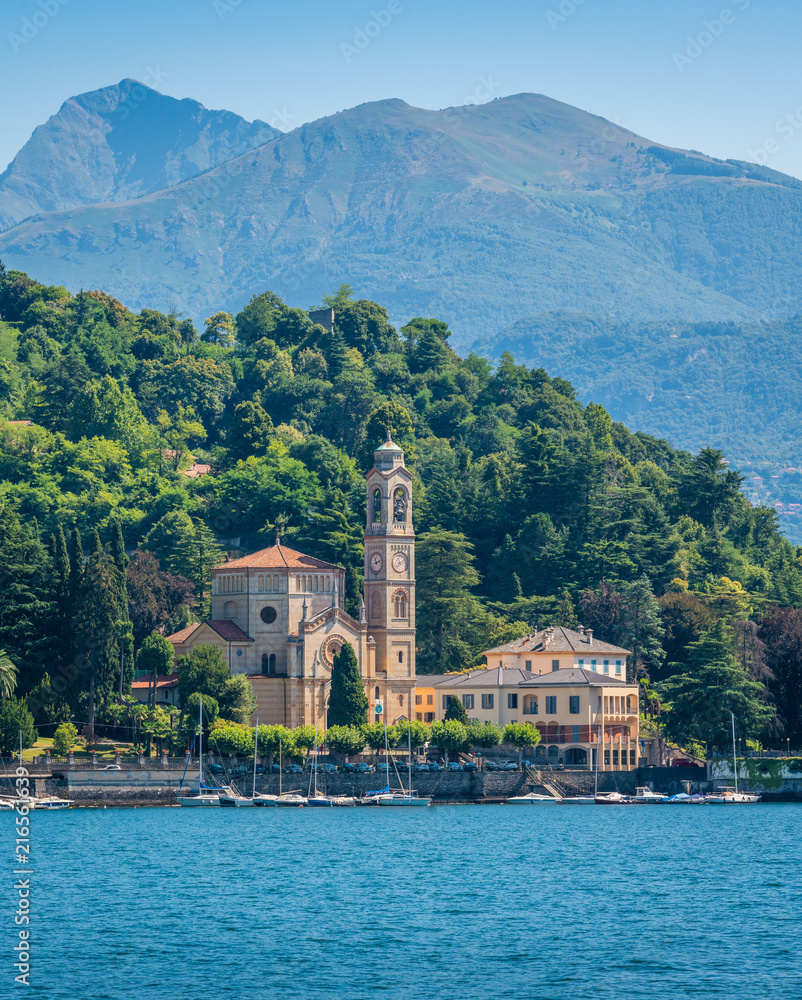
x: 578, y: 800
x: 644, y: 795
x: 614, y: 799
x: 731, y: 796
x: 291, y: 799
x: 531, y: 798
x: 50, y: 802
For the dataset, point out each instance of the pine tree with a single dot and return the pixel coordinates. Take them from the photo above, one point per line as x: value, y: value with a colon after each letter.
x: 348, y: 703
x: 120, y: 560
x: 566, y: 612
x: 642, y: 628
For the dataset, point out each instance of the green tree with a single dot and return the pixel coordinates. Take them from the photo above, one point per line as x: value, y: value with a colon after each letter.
x: 64, y: 738
x: 203, y: 670
x: 237, y: 700
x: 456, y: 710
x: 449, y: 735
x: 155, y: 657
x: 445, y: 574
x: 642, y: 628
x: 15, y: 719
x: 345, y: 740
x: 378, y: 736
x: 250, y: 431
x: 348, y: 703
x: 520, y: 735
x: 8, y: 675
x: 219, y: 330
x: 707, y: 687
x: 483, y: 735
x: 410, y: 730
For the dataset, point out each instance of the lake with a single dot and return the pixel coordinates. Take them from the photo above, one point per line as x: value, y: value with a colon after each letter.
x: 451, y: 902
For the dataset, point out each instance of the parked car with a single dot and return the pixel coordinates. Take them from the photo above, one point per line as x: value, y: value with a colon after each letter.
x: 453, y: 766
x: 239, y: 770
x: 350, y: 768
x: 260, y: 769
x: 420, y: 768
x: 470, y: 766
x: 508, y: 765
x: 365, y: 768
x: 434, y: 766
x: 491, y: 765
x: 215, y: 769
x: 111, y: 767
x: 293, y: 769
x: 274, y: 769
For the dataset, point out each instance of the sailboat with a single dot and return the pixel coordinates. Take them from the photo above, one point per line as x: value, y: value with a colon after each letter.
x: 205, y: 796
x: 404, y: 796
x: 286, y: 798
x: 612, y: 798
x: 314, y: 797
x: 731, y: 796
x: 259, y: 800
x: 231, y: 798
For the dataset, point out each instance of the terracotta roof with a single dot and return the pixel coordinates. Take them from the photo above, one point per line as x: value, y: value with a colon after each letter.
x: 574, y: 675
x: 558, y: 640
x: 162, y: 681
x: 185, y: 633
x: 488, y: 678
x: 18, y: 423
x: 223, y: 627
x: 276, y: 557
x: 228, y: 630
x: 197, y: 470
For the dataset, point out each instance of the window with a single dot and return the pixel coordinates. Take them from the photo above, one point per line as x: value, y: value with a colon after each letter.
x: 268, y: 615
x: 618, y: 666
x: 573, y: 704
x: 419, y: 716
x: 399, y: 505
x: 377, y: 505
x: 487, y: 700
x: 606, y: 758
x: 430, y: 699
x: 615, y: 756
x: 592, y: 664
x: 400, y: 657
x: 632, y: 758
x: 555, y: 664
x: 400, y: 604
x: 268, y: 663
x: 445, y: 701
x: 467, y: 701
x: 581, y: 663
x: 377, y: 693
x: 551, y: 704
x: 429, y: 717
x: 599, y: 704
x: 418, y: 699
x: 512, y: 701
x: 528, y: 664
x: 575, y: 734
x: 607, y: 666
x: 530, y: 705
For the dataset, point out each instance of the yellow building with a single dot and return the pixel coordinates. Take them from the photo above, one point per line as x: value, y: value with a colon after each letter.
x: 278, y: 615
x: 571, y: 686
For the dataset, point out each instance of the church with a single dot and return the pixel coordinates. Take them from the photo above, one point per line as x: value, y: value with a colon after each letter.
x: 278, y: 616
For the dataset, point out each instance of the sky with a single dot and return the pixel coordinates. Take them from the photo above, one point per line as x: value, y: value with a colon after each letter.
x: 719, y: 76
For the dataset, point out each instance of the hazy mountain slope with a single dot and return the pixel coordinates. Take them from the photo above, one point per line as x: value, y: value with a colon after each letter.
x: 480, y: 215
x: 118, y: 143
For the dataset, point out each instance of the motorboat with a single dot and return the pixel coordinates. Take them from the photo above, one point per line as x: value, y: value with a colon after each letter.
x: 532, y: 798
x: 342, y: 800
x: 683, y: 799
x: 265, y: 800
x: 401, y: 798
x: 50, y: 802
x: 291, y: 799
x: 614, y: 799
x: 645, y: 795
x: 319, y: 800
x: 578, y: 800
x: 202, y: 798
x: 731, y: 796
x: 230, y: 799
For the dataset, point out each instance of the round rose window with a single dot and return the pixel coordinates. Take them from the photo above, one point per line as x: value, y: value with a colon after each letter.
x: 268, y: 615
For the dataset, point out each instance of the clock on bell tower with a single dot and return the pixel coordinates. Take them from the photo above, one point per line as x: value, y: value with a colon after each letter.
x: 390, y: 562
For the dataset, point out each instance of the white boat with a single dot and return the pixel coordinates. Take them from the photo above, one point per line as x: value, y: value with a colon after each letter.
x: 343, y: 800
x: 291, y: 799
x: 204, y: 796
x: 532, y: 798
x: 731, y: 796
x: 578, y: 800
x: 238, y: 801
x: 314, y: 797
x: 6, y: 804
x: 265, y: 800
x: 683, y: 799
x: 50, y: 802
x: 645, y: 795
x: 614, y: 799
x: 404, y: 796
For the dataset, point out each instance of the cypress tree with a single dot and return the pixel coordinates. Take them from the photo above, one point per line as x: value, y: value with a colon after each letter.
x: 348, y: 703
x: 456, y: 711
x: 120, y: 560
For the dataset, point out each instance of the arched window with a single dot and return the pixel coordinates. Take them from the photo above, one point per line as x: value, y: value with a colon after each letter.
x: 400, y: 604
x: 400, y: 656
x: 377, y: 505
x: 377, y: 692
x: 400, y: 699
x: 230, y: 609
x: 261, y: 583
x: 276, y: 586
x: 272, y: 664
x: 265, y: 663
x: 400, y: 505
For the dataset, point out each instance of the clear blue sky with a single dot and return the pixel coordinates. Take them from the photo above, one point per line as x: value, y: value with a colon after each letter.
x: 651, y: 65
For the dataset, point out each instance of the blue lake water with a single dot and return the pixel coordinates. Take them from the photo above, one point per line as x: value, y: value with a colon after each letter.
x: 451, y: 903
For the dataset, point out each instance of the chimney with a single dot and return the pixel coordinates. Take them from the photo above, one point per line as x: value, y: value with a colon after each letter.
x: 589, y: 635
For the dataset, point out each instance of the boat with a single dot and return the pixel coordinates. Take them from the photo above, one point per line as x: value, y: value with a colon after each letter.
x: 265, y: 800
x: 231, y: 798
x: 314, y: 797
x: 343, y: 800
x: 644, y: 795
x: 291, y: 799
x: 7, y: 804
x: 578, y: 800
x: 684, y: 799
x: 731, y: 796
x: 614, y: 799
x: 532, y: 798
x: 50, y: 802
x: 403, y: 796
x: 206, y: 795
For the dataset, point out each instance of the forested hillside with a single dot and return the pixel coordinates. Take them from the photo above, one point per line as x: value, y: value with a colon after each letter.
x: 530, y: 508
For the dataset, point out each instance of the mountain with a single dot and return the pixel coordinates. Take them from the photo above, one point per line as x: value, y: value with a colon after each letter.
x: 481, y: 215
x: 119, y: 143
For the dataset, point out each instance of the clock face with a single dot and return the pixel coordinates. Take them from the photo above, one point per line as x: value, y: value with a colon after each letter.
x: 399, y: 562
x: 376, y: 562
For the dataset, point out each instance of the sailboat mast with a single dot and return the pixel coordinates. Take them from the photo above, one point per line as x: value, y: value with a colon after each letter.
x: 734, y: 759
x: 255, y: 751
x: 409, y: 758
x: 598, y: 751
x: 200, y: 744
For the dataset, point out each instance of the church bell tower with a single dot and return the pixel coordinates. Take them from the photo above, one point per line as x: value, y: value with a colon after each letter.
x: 390, y: 565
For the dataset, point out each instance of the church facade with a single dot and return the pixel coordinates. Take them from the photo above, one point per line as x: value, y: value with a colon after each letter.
x: 278, y: 615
